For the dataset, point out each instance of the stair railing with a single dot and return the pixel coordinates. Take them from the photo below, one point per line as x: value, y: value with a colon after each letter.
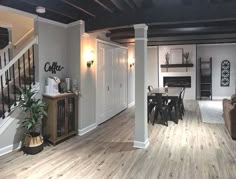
x: 13, y: 74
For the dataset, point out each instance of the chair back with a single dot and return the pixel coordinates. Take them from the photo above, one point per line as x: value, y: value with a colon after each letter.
x: 150, y: 88
x: 182, y: 93
x: 159, y: 101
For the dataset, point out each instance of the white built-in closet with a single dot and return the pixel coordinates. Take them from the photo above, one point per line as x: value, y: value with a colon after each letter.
x: 112, y: 85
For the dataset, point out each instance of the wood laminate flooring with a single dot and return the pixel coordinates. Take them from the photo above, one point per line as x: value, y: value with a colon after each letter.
x: 189, y: 149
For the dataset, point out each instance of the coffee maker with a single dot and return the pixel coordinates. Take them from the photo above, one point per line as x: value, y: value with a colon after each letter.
x: 52, y: 85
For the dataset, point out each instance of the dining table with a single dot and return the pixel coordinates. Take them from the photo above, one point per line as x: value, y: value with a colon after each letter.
x: 170, y: 93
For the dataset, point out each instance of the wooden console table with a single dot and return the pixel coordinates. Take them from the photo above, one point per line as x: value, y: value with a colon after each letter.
x: 62, y: 120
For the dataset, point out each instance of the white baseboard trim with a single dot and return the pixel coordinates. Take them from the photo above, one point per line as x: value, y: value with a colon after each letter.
x: 87, y: 129
x: 131, y: 104
x: 10, y: 148
x: 141, y: 145
x: 220, y: 97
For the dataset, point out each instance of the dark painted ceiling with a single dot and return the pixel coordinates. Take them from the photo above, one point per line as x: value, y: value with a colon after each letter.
x: 167, y: 19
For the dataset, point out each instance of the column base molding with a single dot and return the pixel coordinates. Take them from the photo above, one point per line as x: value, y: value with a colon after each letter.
x: 141, y: 145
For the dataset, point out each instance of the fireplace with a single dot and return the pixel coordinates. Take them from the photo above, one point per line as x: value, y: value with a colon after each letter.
x: 178, y: 81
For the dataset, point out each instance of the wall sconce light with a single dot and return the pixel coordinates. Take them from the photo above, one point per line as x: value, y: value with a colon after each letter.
x: 131, y: 62
x: 89, y: 56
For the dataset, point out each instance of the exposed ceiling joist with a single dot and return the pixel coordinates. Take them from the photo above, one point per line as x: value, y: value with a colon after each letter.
x: 73, y: 4
x: 165, y: 15
x: 104, y: 6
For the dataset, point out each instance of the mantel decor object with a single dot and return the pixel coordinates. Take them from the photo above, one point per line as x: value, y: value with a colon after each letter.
x: 186, y: 57
x: 167, y: 58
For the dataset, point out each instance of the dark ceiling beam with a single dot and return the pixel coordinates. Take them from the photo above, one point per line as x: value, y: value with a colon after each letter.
x: 104, y: 6
x: 138, y: 3
x: 118, y: 5
x: 174, y: 32
x: 191, y: 39
x: 47, y: 6
x: 165, y: 15
x: 130, y: 4
x: 133, y: 4
x: 78, y: 7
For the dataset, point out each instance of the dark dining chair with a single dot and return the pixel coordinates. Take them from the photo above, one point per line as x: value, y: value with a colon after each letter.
x: 181, y: 101
x: 150, y: 88
x: 178, y: 105
x: 151, y: 102
x: 161, y: 108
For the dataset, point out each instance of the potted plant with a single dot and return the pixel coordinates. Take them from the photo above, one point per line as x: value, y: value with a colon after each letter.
x: 34, y: 110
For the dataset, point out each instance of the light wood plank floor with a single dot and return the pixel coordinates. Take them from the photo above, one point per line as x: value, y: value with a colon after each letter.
x: 189, y: 149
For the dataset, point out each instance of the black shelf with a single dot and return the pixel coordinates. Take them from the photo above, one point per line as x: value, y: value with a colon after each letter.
x: 176, y: 65
x: 205, y: 79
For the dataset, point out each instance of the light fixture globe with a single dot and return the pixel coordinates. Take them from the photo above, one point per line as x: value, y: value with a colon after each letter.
x: 40, y: 9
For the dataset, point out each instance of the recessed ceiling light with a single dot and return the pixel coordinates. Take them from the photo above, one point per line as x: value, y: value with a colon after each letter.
x: 40, y: 9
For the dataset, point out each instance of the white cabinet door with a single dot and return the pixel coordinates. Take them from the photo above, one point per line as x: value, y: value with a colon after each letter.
x: 100, y: 96
x: 111, y: 81
x: 108, y: 83
x: 123, y: 79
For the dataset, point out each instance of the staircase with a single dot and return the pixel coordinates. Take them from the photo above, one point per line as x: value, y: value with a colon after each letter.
x: 16, y: 72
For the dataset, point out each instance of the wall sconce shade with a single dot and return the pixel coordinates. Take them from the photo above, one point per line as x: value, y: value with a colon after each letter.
x: 131, y: 62
x: 89, y: 63
x: 89, y: 56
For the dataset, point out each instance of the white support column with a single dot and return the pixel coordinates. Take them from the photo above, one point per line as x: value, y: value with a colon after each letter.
x: 141, y: 126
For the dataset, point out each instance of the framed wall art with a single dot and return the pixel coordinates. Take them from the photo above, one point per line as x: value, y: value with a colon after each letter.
x: 176, y: 56
x: 225, y: 73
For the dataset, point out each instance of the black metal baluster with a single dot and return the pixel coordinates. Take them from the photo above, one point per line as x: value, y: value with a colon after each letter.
x: 5, y: 63
x: 29, y: 67
x: 8, y: 93
x: 24, y: 70
x: 3, y: 100
x: 19, y: 72
x: 9, y: 59
x: 33, y: 64
x: 0, y: 62
x: 14, y: 83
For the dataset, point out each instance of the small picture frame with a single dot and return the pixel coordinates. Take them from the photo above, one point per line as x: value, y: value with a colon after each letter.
x: 176, y: 56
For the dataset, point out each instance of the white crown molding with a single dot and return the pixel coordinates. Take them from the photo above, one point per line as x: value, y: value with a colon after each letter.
x: 10, y: 148
x: 111, y: 43
x: 79, y: 22
x: 87, y: 129
x: 41, y: 19
x: 141, y: 38
x: 141, y: 145
x: 141, y: 26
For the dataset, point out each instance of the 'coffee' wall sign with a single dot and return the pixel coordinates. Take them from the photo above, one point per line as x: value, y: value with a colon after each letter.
x: 53, y: 68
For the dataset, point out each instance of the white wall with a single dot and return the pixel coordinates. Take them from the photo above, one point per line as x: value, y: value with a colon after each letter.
x: 52, y: 43
x: 131, y: 77
x: 52, y: 47
x: 220, y: 52
x: 152, y: 71
x: 190, y: 92
x: 152, y: 66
